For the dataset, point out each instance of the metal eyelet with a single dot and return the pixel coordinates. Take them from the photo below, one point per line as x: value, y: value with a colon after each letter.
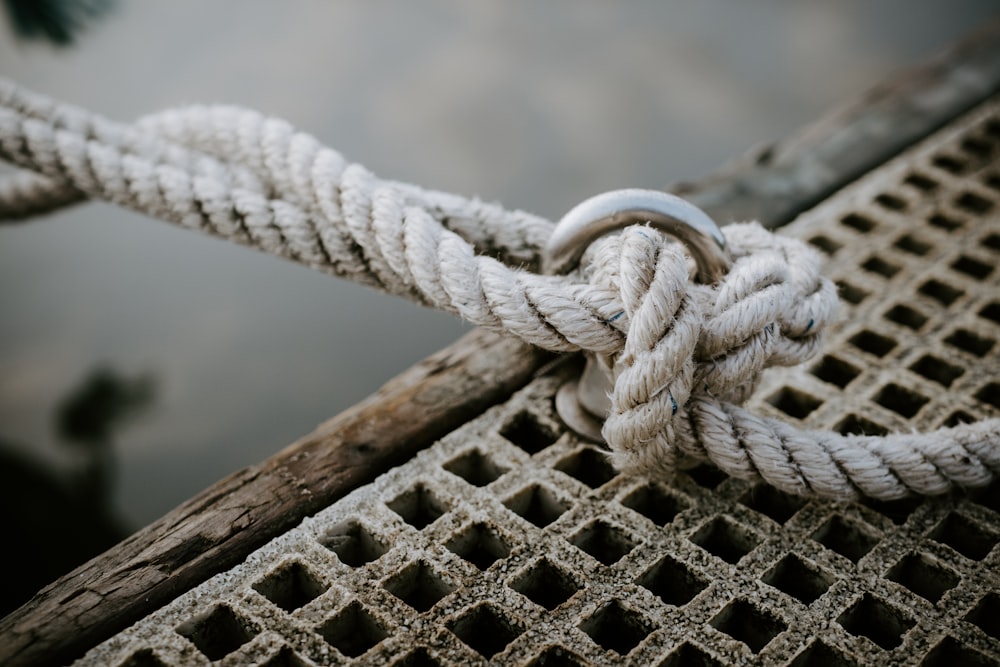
x: 583, y: 403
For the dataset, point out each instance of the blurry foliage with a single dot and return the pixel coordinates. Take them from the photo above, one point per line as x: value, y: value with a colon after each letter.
x: 91, y: 413
x: 59, y: 21
x: 51, y: 524
x: 53, y: 521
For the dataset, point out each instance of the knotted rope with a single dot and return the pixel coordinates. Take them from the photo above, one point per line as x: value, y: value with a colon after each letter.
x: 685, y: 355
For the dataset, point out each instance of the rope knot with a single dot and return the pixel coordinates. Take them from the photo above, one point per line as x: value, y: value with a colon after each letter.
x: 689, y: 342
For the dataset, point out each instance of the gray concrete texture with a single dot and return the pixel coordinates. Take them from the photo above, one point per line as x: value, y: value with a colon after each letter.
x: 511, y: 542
x: 538, y: 105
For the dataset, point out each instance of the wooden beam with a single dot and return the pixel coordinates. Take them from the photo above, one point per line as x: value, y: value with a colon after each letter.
x: 773, y: 184
x: 218, y: 528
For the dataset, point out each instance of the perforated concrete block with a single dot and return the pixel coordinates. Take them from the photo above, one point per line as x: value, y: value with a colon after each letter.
x: 510, y: 541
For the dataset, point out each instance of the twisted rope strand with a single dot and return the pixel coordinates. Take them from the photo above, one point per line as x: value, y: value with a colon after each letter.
x: 497, y: 298
x: 684, y: 355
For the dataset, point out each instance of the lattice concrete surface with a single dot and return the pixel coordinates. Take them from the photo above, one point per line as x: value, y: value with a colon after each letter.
x: 512, y: 542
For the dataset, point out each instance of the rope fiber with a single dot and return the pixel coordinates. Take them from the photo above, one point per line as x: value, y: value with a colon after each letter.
x: 686, y: 356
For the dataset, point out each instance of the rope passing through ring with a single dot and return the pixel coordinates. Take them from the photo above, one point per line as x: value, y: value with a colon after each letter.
x: 584, y: 404
x: 685, y: 355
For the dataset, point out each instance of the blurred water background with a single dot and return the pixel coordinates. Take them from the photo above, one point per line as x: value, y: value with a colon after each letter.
x: 220, y: 355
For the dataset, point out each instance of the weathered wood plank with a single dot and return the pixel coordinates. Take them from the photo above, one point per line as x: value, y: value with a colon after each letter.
x: 773, y: 184
x: 218, y: 528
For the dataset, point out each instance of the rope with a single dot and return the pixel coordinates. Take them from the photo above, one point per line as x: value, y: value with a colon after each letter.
x: 685, y: 355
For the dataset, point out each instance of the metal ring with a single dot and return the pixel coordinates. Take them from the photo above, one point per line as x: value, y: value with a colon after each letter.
x: 583, y: 404
x: 610, y: 211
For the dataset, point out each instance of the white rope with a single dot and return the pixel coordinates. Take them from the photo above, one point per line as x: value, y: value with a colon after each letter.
x: 686, y: 355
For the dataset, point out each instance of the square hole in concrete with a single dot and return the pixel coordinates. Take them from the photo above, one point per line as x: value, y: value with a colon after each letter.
x: 942, y: 292
x: 617, y: 628
x: 937, y: 369
x: 218, y: 632
x: 850, y: 293
x: 991, y: 312
x: 970, y: 342
x: 890, y: 202
x: 952, y: 165
x: 958, y: 417
x: 991, y: 241
x: 545, y: 584
x: 858, y: 222
x: 291, y: 586
x: 873, y: 343
x: 880, y: 267
x: 654, y: 502
x: 475, y: 467
x: 726, y: 539
x: 921, y: 182
x: 418, y: 506
x: 803, y: 581
x: 557, y: 656
x: 538, y: 504
x: 794, y: 402
x: 286, y: 657
x: 951, y: 653
x: 923, y: 576
x: 906, y: 316
x: 986, y: 615
x: 706, y: 475
x: 480, y: 545
x: 672, y: 581
x: 817, y: 653
x: 419, y: 657
x: 588, y: 465
x: 352, y: 631
x: 746, y: 623
x: 353, y: 543
x: 856, y: 425
x: 872, y: 618
x: 911, y: 244
x: 605, y: 542
x: 486, y: 630
x: 945, y: 222
x: 690, y: 655
x: 825, y: 243
x: 418, y: 585
x: 901, y: 400
x: 524, y: 431
x: 143, y: 658
x: 972, y: 267
x: 835, y: 371
x: 990, y: 393
x: 973, y: 203
x: 987, y: 496
x: 991, y: 128
x: 977, y: 148
x: 964, y: 536
x: 897, y: 511
x: 846, y: 538
x: 775, y: 504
